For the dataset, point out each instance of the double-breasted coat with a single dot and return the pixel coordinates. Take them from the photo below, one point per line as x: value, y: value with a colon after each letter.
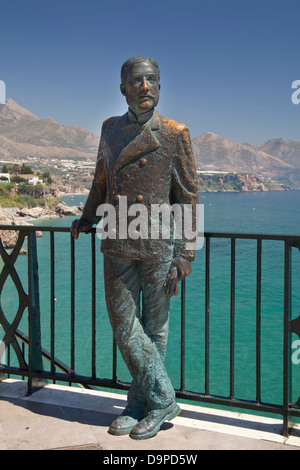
x: 152, y: 164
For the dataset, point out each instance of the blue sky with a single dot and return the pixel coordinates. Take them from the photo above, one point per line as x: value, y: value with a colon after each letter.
x: 227, y: 66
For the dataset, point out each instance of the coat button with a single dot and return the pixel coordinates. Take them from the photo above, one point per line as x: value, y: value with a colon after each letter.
x: 143, y: 161
x: 139, y: 198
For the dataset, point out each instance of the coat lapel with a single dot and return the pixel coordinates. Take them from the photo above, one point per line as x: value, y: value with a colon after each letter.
x: 143, y: 143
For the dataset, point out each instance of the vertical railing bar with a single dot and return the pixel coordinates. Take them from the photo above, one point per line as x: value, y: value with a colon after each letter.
x: 8, y: 358
x: 52, y: 292
x: 34, y: 324
x: 114, y: 364
x: 232, y: 313
x: 287, y: 378
x: 182, y: 342
x: 29, y: 381
x: 93, y: 307
x: 72, y: 312
x: 23, y: 352
x: 207, y: 286
x: 258, y: 321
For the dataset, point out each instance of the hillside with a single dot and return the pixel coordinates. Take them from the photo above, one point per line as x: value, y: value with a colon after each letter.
x: 69, y: 152
x: 22, y: 134
x: 213, y: 152
x: 287, y: 150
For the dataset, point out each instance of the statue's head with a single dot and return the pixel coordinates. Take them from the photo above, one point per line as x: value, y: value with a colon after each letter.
x: 140, y: 83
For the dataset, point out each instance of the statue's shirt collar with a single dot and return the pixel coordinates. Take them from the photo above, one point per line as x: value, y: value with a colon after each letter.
x: 142, y: 118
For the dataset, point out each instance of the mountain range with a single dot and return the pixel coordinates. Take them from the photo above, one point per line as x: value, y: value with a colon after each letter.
x: 22, y: 134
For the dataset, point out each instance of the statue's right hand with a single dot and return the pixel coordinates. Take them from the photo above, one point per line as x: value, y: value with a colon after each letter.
x: 80, y: 225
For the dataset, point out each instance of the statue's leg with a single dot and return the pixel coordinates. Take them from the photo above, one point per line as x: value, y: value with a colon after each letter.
x: 155, y: 319
x: 155, y: 303
x: 122, y: 293
x: 141, y: 355
x: 155, y: 316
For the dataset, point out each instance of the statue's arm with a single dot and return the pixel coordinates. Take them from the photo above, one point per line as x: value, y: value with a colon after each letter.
x: 184, y: 191
x: 97, y: 196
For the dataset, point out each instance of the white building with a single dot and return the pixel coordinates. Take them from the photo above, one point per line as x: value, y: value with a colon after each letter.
x: 4, y: 177
x: 32, y: 179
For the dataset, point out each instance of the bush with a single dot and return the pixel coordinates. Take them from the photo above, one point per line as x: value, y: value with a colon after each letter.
x: 18, y: 179
x: 22, y: 195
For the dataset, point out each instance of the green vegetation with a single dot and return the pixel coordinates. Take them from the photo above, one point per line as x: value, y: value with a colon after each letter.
x: 17, y: 169
x: 46, y: 176
x: 230, y: 182
x: 24, y: 169
x: 24, y: 194
x: 217, y: 182
x: 18, y: 179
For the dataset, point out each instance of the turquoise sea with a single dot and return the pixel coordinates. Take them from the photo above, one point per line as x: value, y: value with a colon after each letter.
x: 263, y: 212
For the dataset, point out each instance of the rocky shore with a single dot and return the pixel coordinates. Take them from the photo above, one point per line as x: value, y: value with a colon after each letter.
x: 16, y: 216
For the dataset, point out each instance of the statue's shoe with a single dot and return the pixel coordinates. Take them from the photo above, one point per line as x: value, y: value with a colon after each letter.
x: 124, y: 423
x: 151, y: 424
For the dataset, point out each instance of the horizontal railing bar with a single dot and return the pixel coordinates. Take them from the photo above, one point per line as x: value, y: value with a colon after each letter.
x: 71, y: 377
x: 58, y: 364
x: 250, y: 236
x: 228, y: 402
x: 33, y: 228
x: 294, y: 411
x: 117, y: 384
x: 46, y: 355
x: 253, y: 236
x: 186, y: 395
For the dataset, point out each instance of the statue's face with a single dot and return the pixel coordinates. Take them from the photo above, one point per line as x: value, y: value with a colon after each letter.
x: 141, y: 87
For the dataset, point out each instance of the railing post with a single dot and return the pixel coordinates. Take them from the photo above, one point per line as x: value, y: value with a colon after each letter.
x: 207, y: 298
x: 288, y: 420
x: 258, y: 320
x: 182, y: 340
x: 35, y: 348
x: 232, y: 317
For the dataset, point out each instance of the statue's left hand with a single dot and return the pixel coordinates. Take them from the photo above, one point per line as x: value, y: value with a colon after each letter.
x: 180, y: 268
x: 80, y: 225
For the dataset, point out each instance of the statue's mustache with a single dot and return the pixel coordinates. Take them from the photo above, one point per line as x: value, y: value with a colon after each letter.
x: 149, y: 95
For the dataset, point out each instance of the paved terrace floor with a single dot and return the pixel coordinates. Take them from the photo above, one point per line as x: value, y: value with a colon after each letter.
x: 69, y: 418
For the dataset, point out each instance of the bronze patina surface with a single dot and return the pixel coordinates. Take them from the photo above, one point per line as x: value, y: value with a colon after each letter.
x: 147, y: 159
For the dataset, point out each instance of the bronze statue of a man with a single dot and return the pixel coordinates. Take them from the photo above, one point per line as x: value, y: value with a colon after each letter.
x: 148, y: 159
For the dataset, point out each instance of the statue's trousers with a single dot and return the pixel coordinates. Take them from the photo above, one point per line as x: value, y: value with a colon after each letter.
x: 138, y: 310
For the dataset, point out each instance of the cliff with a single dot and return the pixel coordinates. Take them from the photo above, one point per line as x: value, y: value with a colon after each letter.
x: 220, y: 182
x: 16, y: 216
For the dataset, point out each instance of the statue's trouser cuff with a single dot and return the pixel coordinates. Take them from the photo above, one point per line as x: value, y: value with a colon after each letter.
x: 141, y: 334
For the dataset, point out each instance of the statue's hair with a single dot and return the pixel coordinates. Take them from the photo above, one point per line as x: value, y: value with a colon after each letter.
x: 136, y: 60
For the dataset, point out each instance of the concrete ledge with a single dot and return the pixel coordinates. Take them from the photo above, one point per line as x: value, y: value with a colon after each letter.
x: 62, y: 417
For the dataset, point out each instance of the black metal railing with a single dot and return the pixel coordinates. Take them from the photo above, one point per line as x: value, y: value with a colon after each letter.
x: 31, y: 359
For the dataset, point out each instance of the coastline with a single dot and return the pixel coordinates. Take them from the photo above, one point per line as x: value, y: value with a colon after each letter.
x: 16, y: 216
x: 80, y: 193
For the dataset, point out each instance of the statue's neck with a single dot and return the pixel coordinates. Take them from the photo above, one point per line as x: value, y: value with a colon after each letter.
x: 140, y: 118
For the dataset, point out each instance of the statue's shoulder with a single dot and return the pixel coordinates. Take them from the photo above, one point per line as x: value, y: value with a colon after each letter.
x: 112, y: 121
x: 173, y: 126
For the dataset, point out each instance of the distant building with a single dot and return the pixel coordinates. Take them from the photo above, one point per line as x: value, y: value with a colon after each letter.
x: 4, y: 177
x: 215, y: 172
x: 32, y: 179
